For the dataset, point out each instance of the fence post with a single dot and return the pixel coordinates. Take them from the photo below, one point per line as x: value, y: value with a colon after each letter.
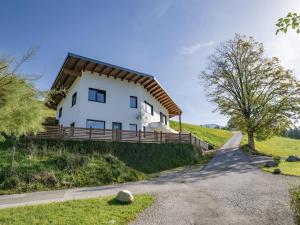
x: 161, y: 137
x: 140, y: 135
x: 62, y: 131
x: 190, y: 135
x: 90, y: 134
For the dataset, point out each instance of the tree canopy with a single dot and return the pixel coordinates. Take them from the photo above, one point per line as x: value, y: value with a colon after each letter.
x: 22, y: 109
x: 257, y: 93
x: 292, y: 20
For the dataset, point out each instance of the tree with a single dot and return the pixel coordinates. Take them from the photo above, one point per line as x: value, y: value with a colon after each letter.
x: 230, y: 125
x: 257, y: 93
x: 292, y: 20
x: 22, y: 110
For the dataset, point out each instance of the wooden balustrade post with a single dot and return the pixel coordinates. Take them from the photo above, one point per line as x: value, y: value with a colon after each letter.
x: 62, y: 131
x: 90, y: 133
x: 190, y: 136
x: 161, y: 137
x: 140, y: 135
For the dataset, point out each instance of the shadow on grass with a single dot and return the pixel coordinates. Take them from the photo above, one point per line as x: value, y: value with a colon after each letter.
x: 116, y: 202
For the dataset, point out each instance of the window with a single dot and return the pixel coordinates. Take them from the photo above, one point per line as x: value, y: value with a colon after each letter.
x: 74, y: 96
x: 148, y: 108
x: 95, y: 124
x: 163, y: 118
x: 97, y: 95
x: 60, y: 112
x: 133, y: 127
x: 133, y: 102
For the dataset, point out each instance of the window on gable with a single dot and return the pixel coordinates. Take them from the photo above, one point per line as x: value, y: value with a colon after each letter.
x: 60, y: 112
x: 133, y: 102
x: 74, y: 97
x: 163, y: 118
x: 149, y: 108
x: 96, y: 95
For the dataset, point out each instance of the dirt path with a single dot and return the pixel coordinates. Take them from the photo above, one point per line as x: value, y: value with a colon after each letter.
x: 231, y: 189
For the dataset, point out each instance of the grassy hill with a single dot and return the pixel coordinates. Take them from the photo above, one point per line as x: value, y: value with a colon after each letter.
x: 281, y: 147
x: 215, y: 137
x: 57, y: 164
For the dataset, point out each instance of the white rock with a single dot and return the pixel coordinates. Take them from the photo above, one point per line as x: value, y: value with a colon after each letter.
x: 125, y: 196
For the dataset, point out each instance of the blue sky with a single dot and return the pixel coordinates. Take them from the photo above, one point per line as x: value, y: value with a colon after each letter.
x: 168, y: 39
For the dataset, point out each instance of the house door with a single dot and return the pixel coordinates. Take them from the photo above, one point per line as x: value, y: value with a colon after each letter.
x: 117, y: 131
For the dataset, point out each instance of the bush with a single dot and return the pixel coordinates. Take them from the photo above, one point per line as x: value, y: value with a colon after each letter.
x: 47, y: 178
x: 11, y: 183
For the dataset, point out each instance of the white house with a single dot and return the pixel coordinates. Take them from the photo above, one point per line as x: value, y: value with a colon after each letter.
x: 105, y: 96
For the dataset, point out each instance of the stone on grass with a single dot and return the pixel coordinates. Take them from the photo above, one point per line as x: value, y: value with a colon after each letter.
x: 125, y: 196
x: 293, y: 158
x: 271, y: 164
x: 277, y: 171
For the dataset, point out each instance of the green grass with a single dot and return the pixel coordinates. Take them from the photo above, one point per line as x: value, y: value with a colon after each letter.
x: 288, y: 168
x: 77, y: 212
x: 295, y: 205
x: 280, y: 147
x: 215, y: 137
x: 56, y: 164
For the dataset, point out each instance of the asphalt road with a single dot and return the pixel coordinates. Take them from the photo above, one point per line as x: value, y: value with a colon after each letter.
x: 231, y: 189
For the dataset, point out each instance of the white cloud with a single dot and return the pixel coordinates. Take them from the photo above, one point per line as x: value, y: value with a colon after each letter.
x: 287, y: 49
x: 194, y: 48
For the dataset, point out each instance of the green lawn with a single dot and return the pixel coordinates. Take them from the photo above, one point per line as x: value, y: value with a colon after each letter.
x: 288, y: 168
x: 215, y: 137
x: 279, y: 146
x: 282, y: 147
x: 77, y: 212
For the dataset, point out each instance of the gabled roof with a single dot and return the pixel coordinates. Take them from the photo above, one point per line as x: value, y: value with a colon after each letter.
x: 75, y: 64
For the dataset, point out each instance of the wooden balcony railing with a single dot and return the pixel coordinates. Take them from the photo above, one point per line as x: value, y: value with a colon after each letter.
x: 77, y: 133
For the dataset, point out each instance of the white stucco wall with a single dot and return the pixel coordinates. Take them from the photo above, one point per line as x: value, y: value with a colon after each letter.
x: 117, y: 106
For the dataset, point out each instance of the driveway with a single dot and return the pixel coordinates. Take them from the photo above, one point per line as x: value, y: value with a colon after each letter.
x: 231, y: 189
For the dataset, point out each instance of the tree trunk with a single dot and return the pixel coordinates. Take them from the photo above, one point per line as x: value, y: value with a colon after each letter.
x: 251, y: 143
x: 12, y: 160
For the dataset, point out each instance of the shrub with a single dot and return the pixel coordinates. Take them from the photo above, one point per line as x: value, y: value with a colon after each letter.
x: 47, y: 178
x: 11, y: 182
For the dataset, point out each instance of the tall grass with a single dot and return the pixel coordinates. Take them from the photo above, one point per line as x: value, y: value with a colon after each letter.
x: 53, y: 164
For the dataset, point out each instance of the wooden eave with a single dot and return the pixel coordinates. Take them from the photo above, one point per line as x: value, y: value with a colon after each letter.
x: 75, y: 64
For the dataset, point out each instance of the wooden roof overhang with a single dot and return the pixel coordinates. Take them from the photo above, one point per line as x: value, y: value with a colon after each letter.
x: 74, y: 65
